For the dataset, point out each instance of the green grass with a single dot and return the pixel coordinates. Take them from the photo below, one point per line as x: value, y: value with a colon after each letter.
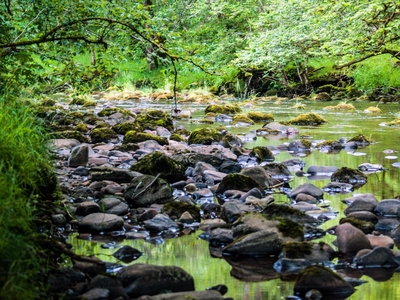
x: 24, y: 163
x: 376, y: 72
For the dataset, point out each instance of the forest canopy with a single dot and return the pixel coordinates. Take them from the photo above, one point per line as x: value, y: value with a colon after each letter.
x: 247, y: 46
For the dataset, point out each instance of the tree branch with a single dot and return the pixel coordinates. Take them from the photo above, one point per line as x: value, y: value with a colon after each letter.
x: 338, y: 67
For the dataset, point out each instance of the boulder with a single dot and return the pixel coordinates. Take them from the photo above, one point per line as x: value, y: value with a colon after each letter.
x: 376, y: 258
x: 308, y: 189
x: 127, y: 254
x: 350, y: 239
x: 87, y: 208
x: 112, y: 174
x: 101, y: 222
x: 237, y: 182
x: 388, y: 208
x: 324, y: 280
x: 145, y: 279
x: 79, y: 156
x: 259, y: 174
x: 146, y: 190
x: 157, y: 163
x: 160, y: 223
x: 113, y: 206
x: 348, y: 175
x: 112, y: 284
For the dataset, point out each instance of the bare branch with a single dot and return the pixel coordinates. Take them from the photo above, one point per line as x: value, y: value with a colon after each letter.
x: 26, y: 27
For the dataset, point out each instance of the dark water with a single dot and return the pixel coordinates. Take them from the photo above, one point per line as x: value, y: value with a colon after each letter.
x: 257, y: 280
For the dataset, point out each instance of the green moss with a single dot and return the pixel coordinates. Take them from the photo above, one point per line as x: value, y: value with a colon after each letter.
x: 295, y: 250
x: 48, y: 102
x: 308, y: 119
x: 182, y: 131
x: 124, y: 127
x: 361, y: 139
x: 262, y: 153
x: 203, y: 121
x: 237, y: 181
x: 137, y: 137
x: 364, y: 226
x: 81, y: 127
x: 77, y: 115
x: 348, y: 175
x: 112, y: 110
x: 241, y: 118
x: 157, y: 163
x: 204, y: 136
x: 89, y: 103
x: 177, y: 137
x: 288, y: 212
x: 395, y: 122
x: 327, y: 143
x: 78, y: 100
x: 288, y: 228
x: 175, y: 209
x: 152, y: 118
x: 71, y: 134
x: 306, y: 143
x: 91, y: 119
x: 259, y: 117
x: 102, y: 134
x: 229, y: 109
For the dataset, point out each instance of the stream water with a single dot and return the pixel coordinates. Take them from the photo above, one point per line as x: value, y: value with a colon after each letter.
x: 256, y: 279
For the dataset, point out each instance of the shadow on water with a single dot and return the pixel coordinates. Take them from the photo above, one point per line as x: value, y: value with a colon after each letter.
x: 256, y: 278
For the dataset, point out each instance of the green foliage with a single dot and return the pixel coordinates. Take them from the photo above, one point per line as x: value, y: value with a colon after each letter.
x: 25, y: 168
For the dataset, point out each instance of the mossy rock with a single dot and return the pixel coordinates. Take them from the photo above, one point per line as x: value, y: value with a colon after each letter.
x: 157, y: 163
x: 373, y: 110
x: 77, y: 115
x: 89, y: 103
x: 289, y: 228
x: 81, y: 127
x: 91, y: 119
x: 361, y: 140
x: 364, y: 226
x: 340, y: 106
x: 395, y: 122
x: 260, y: 117
x: 41, y: 111
x: 308, y: 119
x: 241, y: 118
x: 288, y: 212
x: 152, y: 118
x: 236, y: 181
x: 102, y: 134
x: 72, y: 134
x: 77, y: 101
x: 175, y: 209
x: 203, y: 121
x: 228, y: 109
x: 112, y: 110
x: 348, y: 175
x: 262, y: 153
x: 182, y: 131
x: 323, y: 96
x: 231, y: 140
x: 102, y: 124
x: 204, y: 136
x: 177, y: 137
x: 124, y: 127
x: 133, y: 136
x: 331, y: 144
x: 294, y: 250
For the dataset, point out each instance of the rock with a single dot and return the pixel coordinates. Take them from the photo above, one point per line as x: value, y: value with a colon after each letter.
x: 350, y: 239
x: 363, y: 215
x: 380, y: 241
x: 288, y: 212
x: 158, y: 164
x: 220, y: 237
x: 145, y: 279
x: 160, y: 223
x: 112, y: 284
x: 366, y: 198
x: 87, y: 208
x: 186, y: 218
x: 113, y: 174
x: 259, y: 174
x: 348, y: 175
x: 324, y: 280
x: 127, y: 254
x: 323, y: 96
x: 231, y: 211
x: 198, y: 295
x: 308, y: 189
x: 370, y: 168
x: 91, y: 268
x: 237, y: 182
x: 113, y: 206
x: 103, y: 134
x: 96, y: 294
x: 101, y: 222
x: 360, y: 204
x: 338, y: 187
x: 262, y: 154
x: 175, y: 210
x: 59, y: 280
x: 204, y: 136
x: 64, y: 143
x: 291, y: 265
x: 258, y: 244
x: 280, y: 128
x: 146, y: 190
x: 321, y: 170
x: 376, y: 258
x: 312, y: 252
x: 388, y: 208
x: 79, y: 156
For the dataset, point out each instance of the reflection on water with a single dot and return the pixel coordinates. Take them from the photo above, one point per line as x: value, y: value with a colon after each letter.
x: 256, y: 279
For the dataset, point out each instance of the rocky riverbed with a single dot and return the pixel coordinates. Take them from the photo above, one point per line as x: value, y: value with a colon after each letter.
x: 134, y: 174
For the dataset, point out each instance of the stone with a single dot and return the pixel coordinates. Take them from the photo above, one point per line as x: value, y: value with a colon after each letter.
x: 258, y: 244
x: 113, y: 174
x: 145, y: 279
x: 380, y: 241
x: 324, y: 280
x: 350, y: 239
x: 127, y: 254
x: 146, y: 190
x: 308, y: 189
x: 79, y: 156
x: 112, y: 284
x: 96, y: 294
x: 377, y: 257
x: 115, y: 206
x: 237, y: 182
x: 101, y: 222
x: 197, y: 295
x: 388, y: 208
x: 87, y: 208
x: 366, y: 203
x: 160, y: 223
x: 259, y: 174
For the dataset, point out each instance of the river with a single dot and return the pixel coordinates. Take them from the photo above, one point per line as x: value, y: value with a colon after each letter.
x: 192, y: 253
